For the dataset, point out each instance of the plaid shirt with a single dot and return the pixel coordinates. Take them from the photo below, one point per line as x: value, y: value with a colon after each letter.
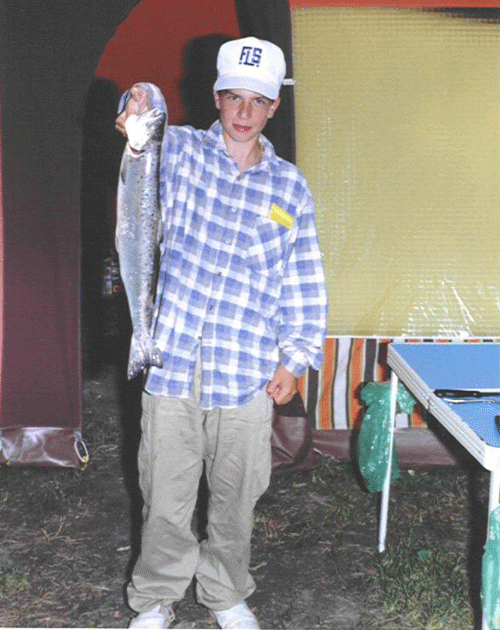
x: 240, y: 271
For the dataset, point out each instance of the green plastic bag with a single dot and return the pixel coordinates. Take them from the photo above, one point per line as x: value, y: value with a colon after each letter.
x: 490, y: 584
x: 373, y: 439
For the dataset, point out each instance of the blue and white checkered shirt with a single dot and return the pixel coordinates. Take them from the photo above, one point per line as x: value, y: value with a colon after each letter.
x: 240, y: 271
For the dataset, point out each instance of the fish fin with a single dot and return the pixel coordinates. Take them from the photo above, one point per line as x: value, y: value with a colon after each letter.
x: 123, y: 101
x: 143, y: 353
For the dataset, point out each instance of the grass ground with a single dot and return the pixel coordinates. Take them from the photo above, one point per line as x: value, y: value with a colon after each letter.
x: 68, y: 538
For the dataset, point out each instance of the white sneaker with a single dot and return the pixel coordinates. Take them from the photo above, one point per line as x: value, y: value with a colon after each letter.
x: 239, y: 616
x: 153, y: 618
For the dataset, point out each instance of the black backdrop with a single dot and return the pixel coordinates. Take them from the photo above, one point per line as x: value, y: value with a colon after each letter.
x: 271, y: 20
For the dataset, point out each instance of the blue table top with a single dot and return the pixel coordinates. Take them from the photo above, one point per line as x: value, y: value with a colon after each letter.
x: 460, y: 366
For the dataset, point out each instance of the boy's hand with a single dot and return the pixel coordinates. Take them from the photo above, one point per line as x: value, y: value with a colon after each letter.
x: 136, y: 104
x: 283, y: 386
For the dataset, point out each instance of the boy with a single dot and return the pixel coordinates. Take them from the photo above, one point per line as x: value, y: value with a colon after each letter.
x: 240, y: 314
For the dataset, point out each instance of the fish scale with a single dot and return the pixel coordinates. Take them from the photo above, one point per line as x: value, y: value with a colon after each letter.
x: 138, y: 229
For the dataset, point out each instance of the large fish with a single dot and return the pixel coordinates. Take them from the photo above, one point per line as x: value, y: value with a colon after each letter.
x: 138, y: 229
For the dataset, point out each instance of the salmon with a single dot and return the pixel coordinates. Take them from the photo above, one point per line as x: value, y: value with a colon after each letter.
x: 138, y: 228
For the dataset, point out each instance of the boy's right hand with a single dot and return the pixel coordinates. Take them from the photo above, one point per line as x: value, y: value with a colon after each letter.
x: 136, y: 104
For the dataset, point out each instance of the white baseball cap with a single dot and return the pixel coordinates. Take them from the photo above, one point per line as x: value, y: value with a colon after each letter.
x: 251, y: 64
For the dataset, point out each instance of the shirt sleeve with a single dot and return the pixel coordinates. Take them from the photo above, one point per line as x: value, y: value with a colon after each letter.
x: 303, y: 301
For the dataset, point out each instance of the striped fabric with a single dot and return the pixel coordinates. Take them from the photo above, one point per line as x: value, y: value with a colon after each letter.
x: 331, y: 394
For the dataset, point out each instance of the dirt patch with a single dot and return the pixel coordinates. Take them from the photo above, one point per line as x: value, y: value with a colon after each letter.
x: 69, y: 537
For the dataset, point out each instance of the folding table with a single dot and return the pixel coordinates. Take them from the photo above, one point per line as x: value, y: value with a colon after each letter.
x: 425, y: 367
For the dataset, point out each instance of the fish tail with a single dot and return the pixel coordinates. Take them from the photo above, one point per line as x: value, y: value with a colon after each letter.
x: 143, y: 353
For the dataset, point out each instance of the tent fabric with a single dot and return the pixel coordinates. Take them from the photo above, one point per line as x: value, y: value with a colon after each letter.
x: 49, y: 52
x: 397, y: 134
x: 331, y: 394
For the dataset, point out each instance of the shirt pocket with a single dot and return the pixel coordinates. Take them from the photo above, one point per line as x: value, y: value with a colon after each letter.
x: 265, y: 259
x: 268, y: 247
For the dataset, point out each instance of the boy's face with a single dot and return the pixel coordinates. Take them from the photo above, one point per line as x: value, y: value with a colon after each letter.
x: 243, y: 114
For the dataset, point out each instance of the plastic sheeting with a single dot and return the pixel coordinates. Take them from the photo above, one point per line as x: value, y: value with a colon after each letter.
x: 397, y: 133
x: 490, y: 588
x: 374, y: 435
x: 42, y: 446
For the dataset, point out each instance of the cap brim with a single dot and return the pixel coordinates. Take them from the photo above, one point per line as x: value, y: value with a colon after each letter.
x: 246, y: 83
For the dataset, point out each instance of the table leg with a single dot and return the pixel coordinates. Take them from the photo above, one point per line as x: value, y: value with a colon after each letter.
x: 384, y: 507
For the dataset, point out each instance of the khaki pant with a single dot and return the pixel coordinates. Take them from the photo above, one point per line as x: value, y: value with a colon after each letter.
x: 177, y: 436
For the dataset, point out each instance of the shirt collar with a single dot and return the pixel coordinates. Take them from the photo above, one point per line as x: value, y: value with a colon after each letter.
x: 215, y: 140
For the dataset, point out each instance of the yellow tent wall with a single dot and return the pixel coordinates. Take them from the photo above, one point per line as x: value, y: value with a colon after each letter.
x: 397, y: 114
x: 397, y: 122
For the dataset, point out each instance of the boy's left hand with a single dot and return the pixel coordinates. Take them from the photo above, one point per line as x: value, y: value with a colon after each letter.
x: 283, y: 386
x: 136, y: 104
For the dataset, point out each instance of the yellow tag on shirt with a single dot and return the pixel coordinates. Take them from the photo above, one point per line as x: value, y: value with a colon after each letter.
x: 281, y: 216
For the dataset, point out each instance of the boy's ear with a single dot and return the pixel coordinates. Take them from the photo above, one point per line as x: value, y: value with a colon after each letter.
x: 216, y: 100
x: 274, y: 107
